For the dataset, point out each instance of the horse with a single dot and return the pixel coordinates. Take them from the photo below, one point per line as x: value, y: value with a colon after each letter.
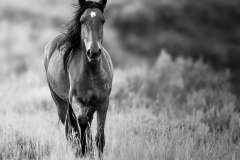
x: 79, y: 74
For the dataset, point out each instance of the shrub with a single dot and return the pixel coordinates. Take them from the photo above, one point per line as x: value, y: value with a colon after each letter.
x: 180, y: 88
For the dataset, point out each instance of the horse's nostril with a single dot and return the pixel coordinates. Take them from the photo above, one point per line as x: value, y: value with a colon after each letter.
x: 94, y: 55
x: 89, y: 53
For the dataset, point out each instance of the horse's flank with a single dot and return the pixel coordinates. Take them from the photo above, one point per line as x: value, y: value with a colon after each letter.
x: 56, y: 75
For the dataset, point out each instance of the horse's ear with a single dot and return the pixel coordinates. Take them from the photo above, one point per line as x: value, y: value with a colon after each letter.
x: 81, y: 1
x: 103, y: 2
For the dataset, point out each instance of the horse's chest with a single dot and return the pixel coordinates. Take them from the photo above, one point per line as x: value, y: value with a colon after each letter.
x: 92, y: 97
x: 94, y: 92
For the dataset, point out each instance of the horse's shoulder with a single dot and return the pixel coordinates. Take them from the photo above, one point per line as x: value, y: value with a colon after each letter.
x: 108, y: 58
x: 51, y: 47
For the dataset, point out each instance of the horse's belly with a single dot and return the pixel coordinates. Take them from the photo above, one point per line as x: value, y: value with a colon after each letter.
x: 57, y: 77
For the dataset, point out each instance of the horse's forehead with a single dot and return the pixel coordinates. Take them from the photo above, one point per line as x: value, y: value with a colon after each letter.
x: 93, y: 13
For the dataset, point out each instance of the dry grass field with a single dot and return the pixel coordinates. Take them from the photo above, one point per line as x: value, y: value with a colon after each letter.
x: 173, y: 110
x: 197, y: 124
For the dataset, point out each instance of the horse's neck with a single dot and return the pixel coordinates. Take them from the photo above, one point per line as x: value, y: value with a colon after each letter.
x: 93, y: 69
x: 90, y: 69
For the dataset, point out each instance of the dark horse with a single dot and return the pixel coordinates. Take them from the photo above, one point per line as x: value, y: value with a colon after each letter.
x: 79, y: 73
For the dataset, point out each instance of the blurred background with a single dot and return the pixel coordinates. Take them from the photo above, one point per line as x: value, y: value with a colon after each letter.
x: 136, y: 32
x: 174, y: 58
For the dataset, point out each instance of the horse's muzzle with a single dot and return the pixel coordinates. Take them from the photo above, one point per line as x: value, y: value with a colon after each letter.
x: 93, y: 56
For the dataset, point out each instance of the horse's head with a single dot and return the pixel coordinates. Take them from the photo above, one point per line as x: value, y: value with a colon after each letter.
x: 92, y: 21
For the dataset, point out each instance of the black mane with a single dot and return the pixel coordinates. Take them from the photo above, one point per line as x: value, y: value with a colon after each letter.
x: 72, y: 38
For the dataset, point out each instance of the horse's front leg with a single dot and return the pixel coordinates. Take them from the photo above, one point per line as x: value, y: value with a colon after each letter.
x: 86, y: 136
x: 89, y: 146
x: 101, y: 117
